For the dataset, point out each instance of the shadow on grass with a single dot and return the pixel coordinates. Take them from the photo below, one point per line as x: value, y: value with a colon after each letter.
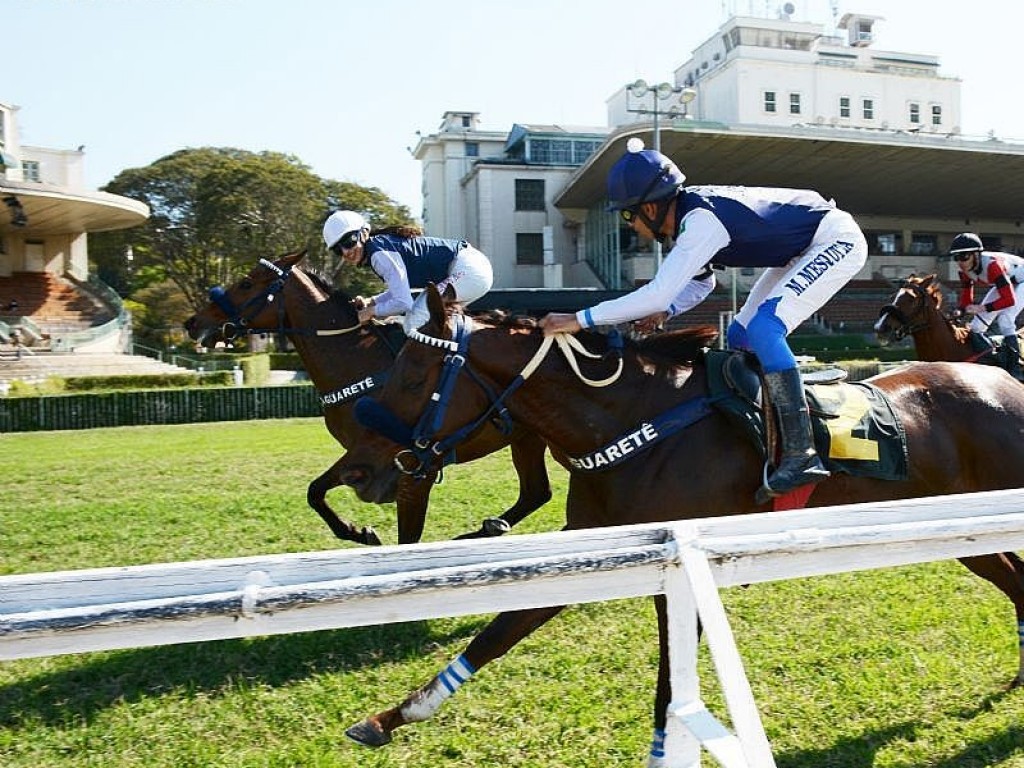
x: 861, y: 751
x: 80, y: 693
x: 852, y: 752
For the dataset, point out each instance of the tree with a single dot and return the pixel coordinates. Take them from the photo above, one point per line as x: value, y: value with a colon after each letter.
x: 215, y: 211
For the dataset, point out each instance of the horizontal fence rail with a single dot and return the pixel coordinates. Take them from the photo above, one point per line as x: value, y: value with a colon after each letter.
x: 72, y: 611
x: 688, y: 561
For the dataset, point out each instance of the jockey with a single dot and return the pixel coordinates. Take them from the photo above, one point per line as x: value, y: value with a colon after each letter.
x: 810, y: 250
x: 998, y: 311
x: 405, y: 259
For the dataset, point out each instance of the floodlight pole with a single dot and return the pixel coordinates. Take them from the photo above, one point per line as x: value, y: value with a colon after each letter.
x: 661, y: 91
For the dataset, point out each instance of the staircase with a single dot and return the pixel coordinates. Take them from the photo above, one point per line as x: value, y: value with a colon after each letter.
x: 35, y: 367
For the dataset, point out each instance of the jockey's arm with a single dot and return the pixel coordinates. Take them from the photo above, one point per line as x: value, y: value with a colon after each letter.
x: 996, y: 276
x: 396, y: 299
x: 701, y: 236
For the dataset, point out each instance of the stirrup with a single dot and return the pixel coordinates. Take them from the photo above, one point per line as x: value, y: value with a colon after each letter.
x: 812, y: 473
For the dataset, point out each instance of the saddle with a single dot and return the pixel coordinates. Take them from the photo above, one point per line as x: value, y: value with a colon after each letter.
x: 856, y: 431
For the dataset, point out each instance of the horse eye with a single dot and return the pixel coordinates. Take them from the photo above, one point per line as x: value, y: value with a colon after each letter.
x: 413, y: 383
x: 245, y: 284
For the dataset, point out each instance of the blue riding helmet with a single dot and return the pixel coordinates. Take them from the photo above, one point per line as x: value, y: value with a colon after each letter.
x: 642, y: 176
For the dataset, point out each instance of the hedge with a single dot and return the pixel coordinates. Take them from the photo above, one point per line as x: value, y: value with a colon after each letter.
x: 166, y: 406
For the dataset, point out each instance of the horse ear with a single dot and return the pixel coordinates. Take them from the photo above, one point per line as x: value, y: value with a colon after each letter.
x: 435, y: 304
x: 289, y: 260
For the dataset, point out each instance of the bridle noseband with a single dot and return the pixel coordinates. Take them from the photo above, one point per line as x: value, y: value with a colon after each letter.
x: 908, y: 325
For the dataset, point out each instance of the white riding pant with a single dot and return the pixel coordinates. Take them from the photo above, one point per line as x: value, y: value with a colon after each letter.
x: 804, y: 285
x: 470, y: 275
x: 1002, y: 322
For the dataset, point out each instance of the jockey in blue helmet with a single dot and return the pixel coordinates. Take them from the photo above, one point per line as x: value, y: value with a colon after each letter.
x: 807, y: 247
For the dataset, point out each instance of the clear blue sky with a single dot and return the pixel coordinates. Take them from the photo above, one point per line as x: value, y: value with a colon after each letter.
x: 345, y: 85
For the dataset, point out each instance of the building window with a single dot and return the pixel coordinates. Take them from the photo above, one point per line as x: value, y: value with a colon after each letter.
x: 769, y: 101
x: 794, y: 103
x: 936, y: 114
x: 465, y: 122
x: 30, y: 170
x: 582, y: 149
x: 844, y: 106
x: 551, y: 151
x: 530, y: 195
x: 472, y: 149
x: 915, y: 113
x: 924, y: 245
x: 869, y: 109
x: 529, y: 249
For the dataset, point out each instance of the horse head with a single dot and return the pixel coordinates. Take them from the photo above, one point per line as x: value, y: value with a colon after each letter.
x: 916, y: 302
x: 257, y: 303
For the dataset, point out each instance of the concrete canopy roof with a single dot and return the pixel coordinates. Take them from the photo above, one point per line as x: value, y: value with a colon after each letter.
x: 868, y: 173
x: 53, y: 210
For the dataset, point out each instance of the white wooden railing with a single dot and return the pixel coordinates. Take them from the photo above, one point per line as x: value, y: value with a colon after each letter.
x: 688, y: 561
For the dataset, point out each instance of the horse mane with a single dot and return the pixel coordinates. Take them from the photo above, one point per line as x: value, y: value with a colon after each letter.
x: 324, y: 284
x: 935, y: 292
x: 676, y: 347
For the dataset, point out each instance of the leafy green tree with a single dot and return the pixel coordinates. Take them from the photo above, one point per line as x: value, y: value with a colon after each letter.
x: 215, y: 211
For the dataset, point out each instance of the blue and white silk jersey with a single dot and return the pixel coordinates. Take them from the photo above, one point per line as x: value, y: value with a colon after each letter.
x: 810, y: 247
x: 404, y: 263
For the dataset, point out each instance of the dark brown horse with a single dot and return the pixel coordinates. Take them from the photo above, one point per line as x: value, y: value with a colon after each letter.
x: 916, y: 311
x: 344, y: 361
x: 964, y: 429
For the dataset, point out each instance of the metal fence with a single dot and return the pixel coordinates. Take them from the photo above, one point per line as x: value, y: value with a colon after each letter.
x: 166, y: 406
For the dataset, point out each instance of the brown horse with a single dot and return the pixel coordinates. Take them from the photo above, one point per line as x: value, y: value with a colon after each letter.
x: 345, y: 360
x: 963, y: 425
x: 916, y: 311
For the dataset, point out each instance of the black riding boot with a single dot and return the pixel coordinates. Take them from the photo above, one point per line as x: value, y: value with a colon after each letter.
x: 1011, y: 356
x: 979, y: 342
x: 800, y: 464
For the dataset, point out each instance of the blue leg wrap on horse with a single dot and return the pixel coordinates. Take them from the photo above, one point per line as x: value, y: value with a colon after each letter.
x: 372, y: 415
x: 767, y: 335
x: 736, y: 336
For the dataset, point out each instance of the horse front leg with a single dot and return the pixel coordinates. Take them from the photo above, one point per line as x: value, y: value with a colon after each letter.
x: 497, y: 638
x: 411, y: 503
x: 1006, y: 571
x: 316, y: 497
x: 528, y: 452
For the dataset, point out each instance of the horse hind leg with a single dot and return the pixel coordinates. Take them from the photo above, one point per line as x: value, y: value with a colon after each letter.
x: 497, y: 638
x: 1006, y: 571
x: 316, y: 497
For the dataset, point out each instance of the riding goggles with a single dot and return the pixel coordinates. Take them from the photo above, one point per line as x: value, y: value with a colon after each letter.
x: 347, y: 242
x: 964, y: 255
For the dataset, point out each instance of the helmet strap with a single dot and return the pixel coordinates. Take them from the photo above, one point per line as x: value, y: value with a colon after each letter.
x: 659, y: 219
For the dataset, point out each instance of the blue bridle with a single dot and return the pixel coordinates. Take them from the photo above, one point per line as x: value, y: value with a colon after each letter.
x: 240, y: 317
x: 422, y: 448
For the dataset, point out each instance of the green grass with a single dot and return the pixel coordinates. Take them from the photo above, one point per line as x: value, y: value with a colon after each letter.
x: 900, y: 668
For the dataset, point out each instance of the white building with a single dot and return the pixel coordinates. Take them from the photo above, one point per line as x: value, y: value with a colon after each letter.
x: 48, y: 212
x: 763, y: 101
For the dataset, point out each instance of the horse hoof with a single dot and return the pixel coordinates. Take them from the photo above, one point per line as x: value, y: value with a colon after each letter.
x: 495, y: 526
x: 763, y: 496
x: 368, y: 734
x: 370, y: 537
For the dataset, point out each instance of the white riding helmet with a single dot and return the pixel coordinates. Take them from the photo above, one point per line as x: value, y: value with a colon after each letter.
x: 340, y: 223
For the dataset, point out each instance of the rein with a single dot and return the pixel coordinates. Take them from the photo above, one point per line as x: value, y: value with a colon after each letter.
x: 423, y: 447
